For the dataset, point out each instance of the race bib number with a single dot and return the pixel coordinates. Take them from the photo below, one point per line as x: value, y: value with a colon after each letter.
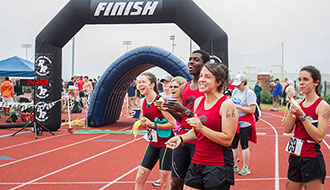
x: 294, y: 146
x: 151, y: 135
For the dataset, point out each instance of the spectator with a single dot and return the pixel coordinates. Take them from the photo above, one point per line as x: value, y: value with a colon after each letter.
x: 132, y: 94
x: 160, y: 86
x: 231, y: 86
x: 290, y: 89
x: 277, y: 93
x: 18, y: 90
x: 166, y: 83
x: 94, y: 82
x: 7, y: 92
x: 257, y: 91
x: 88, y: 88
x: 228, y: 93
x: 70, y: 83
x: 80, y: 84
x: 286, y: 84
x: 245, y: 103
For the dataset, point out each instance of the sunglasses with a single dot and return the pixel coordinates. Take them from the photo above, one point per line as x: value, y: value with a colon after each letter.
x: 174, y: 86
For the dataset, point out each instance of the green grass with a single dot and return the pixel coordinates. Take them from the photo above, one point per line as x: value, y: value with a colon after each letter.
x: 269, y: 106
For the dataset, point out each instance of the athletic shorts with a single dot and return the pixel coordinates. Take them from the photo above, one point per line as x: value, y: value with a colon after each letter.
x: 276, y: 99
x: 153, y: 154
x: 209, y: 177
x: 182, y: 157
x: 243, y: 137
x: 304, y: 169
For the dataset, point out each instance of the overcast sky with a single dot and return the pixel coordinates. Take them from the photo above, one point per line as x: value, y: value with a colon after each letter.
x: 254, y: 27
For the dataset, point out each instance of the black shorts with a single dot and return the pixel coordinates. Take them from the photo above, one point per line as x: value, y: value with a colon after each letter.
x: 181, y: 159
x: 284, y: 95
x: 153, y: 154
x: 209, y: 177
x: 303, y: 169
x: 243, y: 137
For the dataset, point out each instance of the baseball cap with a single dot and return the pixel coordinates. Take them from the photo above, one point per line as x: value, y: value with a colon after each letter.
x: 239, y: 79
x: 167, y: 78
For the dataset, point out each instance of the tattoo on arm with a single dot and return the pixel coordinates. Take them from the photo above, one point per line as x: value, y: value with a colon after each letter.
x: 227, y: 114
x: 233, y: 113
x: 326, y: 114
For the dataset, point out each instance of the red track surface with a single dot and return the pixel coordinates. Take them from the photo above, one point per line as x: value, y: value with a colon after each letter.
x: 84, y: 161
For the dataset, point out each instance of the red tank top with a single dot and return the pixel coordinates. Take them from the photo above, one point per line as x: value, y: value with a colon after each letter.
x: 188, y: 97
x: 151, y: 113
x: 208, y: 152
x: 309, y: 145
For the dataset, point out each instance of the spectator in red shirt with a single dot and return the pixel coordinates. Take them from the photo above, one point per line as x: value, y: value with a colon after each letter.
x: 80, y: 83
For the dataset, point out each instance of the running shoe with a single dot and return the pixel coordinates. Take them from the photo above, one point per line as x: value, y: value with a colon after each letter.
x: 236, y: 169
x: 245, y: 171
x: 156, y: 183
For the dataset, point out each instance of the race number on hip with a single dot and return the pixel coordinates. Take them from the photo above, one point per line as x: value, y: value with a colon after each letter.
x: 294, y: 146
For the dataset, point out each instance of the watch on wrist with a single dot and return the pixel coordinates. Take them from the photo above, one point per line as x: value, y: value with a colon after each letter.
x: 302, y: 118
x: 188, y: 113
x: 154, y: 125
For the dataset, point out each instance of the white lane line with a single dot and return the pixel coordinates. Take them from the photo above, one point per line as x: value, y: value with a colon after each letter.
x: 38, y: 140
x: 33, y: 156
x: 124, y: 182
x: 119, y: 178
x: 82, y: 161
x: 277, y: 181
x: 326, y: 144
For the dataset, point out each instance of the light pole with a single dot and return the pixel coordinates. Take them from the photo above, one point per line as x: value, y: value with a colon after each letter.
x: 72, y: 64
x: 282, y: 68
x: 127, y: 43
x: 172, y: 37
x: 26, y: 46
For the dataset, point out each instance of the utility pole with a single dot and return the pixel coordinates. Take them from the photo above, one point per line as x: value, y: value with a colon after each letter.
x: 172, y: 37
x: 26, y: 46
x: 72, y: 66
x: 282, y: 68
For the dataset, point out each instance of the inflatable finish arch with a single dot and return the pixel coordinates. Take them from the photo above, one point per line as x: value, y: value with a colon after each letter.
x: 50, y: 41
x: 109, y: 94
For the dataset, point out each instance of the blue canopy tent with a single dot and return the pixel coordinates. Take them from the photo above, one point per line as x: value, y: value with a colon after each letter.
x: 16, y: 67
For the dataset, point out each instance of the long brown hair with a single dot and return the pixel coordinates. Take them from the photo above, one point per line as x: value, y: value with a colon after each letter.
x: 316, y: 75
x: 152, y: 78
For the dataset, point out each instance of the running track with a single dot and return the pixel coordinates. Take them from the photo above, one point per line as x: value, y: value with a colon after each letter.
x: 109, y: 161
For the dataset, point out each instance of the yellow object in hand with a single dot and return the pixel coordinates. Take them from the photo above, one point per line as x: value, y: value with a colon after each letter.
x: 136, y: 128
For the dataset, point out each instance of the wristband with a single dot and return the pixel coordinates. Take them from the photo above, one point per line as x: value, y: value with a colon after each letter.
x: 154, y: 125
x: 181, y: 138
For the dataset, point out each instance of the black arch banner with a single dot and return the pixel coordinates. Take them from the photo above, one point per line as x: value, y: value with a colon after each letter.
x: 77, y: 13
